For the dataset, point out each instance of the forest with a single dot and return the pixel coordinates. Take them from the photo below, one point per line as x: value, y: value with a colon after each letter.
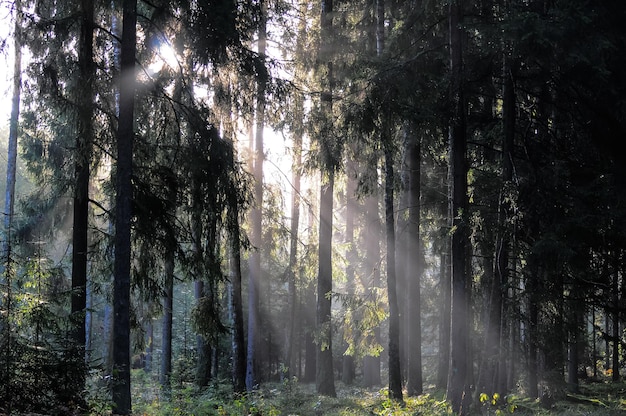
x: 313, y: 207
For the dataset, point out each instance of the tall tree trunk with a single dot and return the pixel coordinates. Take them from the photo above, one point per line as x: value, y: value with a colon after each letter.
x: 254, y: 284
x: 395, y: 374
x: 236, y: 302
x: 403, y: 259
x: 348, y: 370
x: 292, y: 301
x: 309, y: 305
x: 414, y: 261
x: 9, y: 200
x: 458, y: 390
x: 503, y: 245
x: 371, y: 364
x: 324, y: 375
x: 123, y: 214
x: 82, y: 164
x: 444, y: 321
x: 445, y: 270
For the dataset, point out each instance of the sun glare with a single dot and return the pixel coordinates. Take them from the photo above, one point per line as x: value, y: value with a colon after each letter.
x: 165, y: 55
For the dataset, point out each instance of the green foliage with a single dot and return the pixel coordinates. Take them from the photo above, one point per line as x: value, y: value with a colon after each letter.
x: 40, y: 369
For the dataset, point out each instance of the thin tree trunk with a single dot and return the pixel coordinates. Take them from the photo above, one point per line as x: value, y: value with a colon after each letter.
x: 444, y: 321
x: 310, y: 352
x: 347, y: 372
x: 9, y: 200
x: 292, y: 301
x: 123, y: 214
x: 414, y: 268
x: 166, y: 331
x: 616, y: 320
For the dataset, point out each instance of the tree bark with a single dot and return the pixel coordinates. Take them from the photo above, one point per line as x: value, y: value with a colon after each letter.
x: 414, y: 261
x: 371, y: 364
x: 348, y: 370
x: 324, y: 376
x: 166, y: 331
x: 254, y: 284
x: 458, y: 390
x: 123, y: 214
x: 9, y: 200
x: 292, y: 301
x: 82, y: 161
x: 236, y: 303
x: 395, y: 374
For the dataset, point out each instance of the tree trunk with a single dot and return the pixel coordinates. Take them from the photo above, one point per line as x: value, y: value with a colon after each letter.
x: 292, y: 301
x: 348, y: 371
x: 458, y: 390
x: 254, y: 284
x: 310, y: 352
x: 203, y: 348
x: 395, y: 374
x: 9, y: 200
x: 445, y: 270
x: 82, y: 162
x: 324, y: 376
x: 123, y: 214
x: 371, y: 364
x: 166, y: 332
x: 414, y: 262
x: 573, y: 345
x: 236, y: 304
x: 616, y: 320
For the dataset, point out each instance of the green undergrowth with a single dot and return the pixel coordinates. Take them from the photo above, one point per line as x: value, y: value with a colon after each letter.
x: 293, y: 398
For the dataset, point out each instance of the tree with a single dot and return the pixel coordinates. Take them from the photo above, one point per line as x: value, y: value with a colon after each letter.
x: 324, y: 378
x: 395, y: 374
x: 458, y: 376
x: 292, y: 271
x: 236, y: 303
x: 123, y: 213
x: 82, y: 162
x: 254, y: 284
x: 413, y: 265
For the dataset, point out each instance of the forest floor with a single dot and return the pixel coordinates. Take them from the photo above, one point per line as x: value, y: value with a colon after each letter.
x: 600, y: 398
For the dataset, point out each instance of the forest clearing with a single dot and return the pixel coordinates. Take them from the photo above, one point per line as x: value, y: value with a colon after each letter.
x: 312, y: 207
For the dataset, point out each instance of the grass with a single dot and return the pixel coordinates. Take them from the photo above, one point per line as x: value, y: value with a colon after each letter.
x: 293, y: 398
